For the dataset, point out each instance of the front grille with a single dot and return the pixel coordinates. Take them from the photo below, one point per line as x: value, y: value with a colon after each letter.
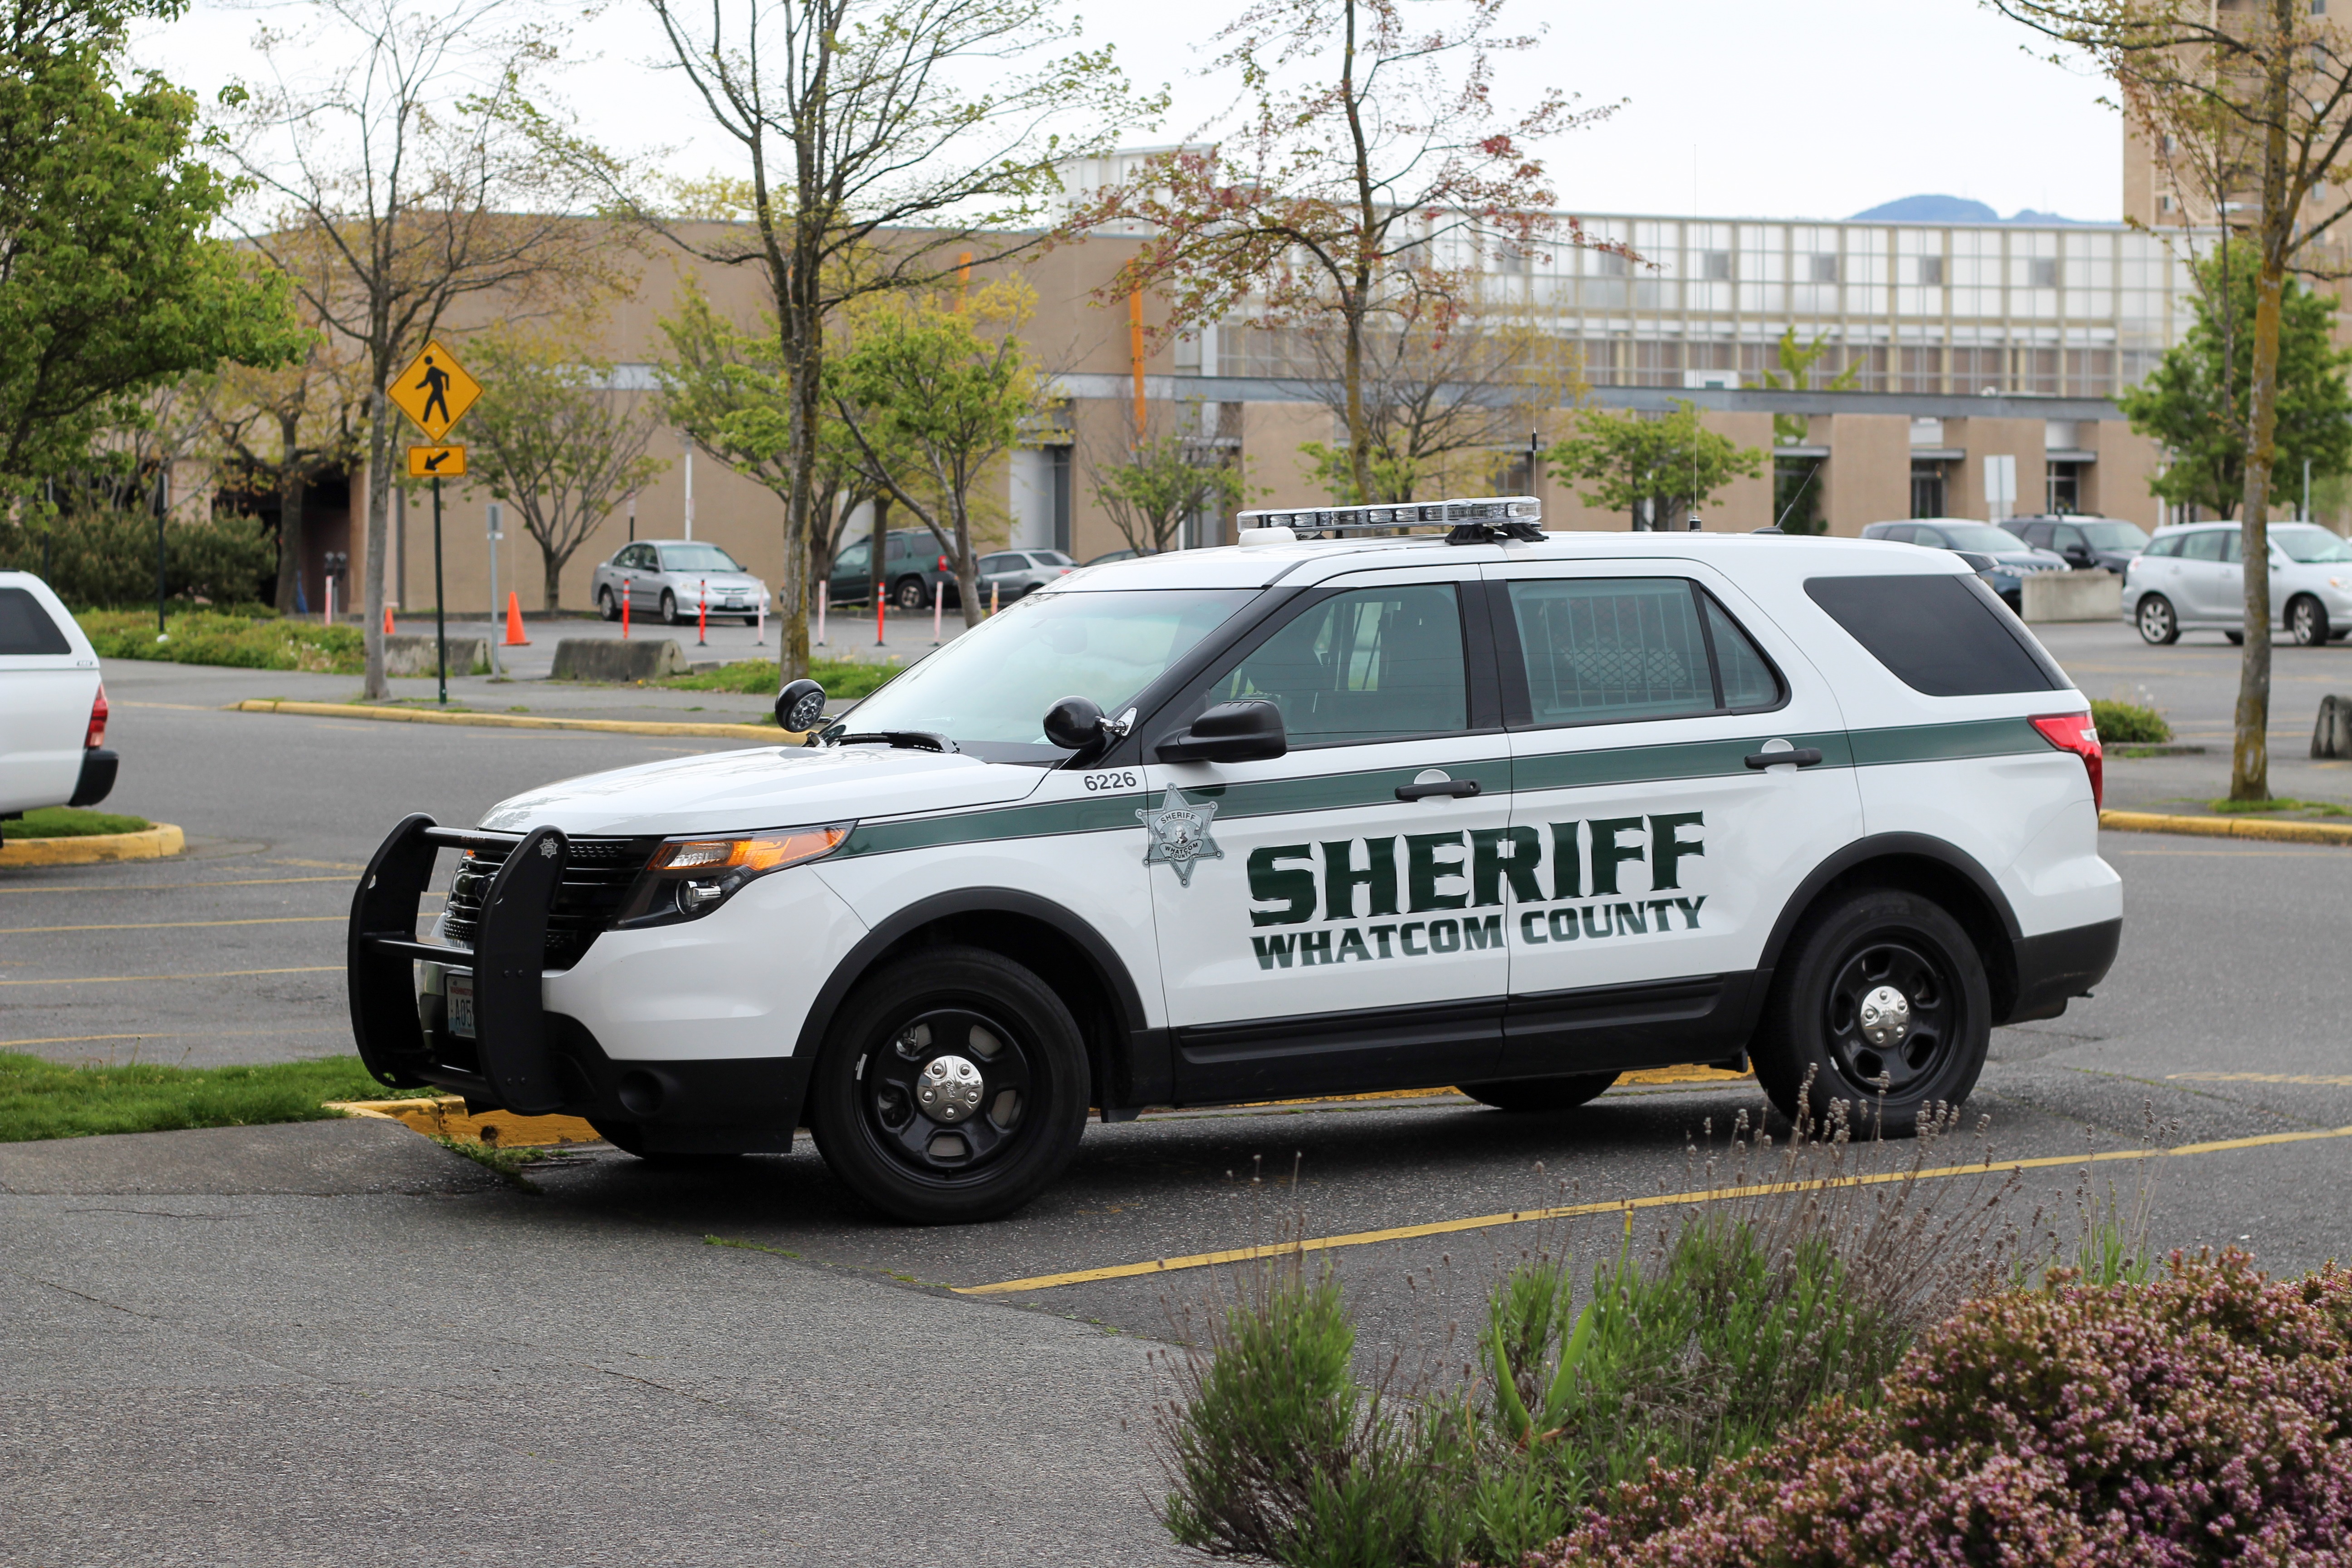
x: 598, y: 874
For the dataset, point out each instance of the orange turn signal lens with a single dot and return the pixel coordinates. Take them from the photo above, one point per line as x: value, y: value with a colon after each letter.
x: 753, y: 852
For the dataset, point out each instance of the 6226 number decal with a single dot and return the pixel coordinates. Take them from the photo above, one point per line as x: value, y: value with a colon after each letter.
x: 1116, y: 778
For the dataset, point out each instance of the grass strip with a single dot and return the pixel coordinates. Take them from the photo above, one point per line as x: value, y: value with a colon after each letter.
x: 64, y: 822
x: 42, y: 1099
x: 2310, y: 808
x: 257, y: 640
x: 846, y: 678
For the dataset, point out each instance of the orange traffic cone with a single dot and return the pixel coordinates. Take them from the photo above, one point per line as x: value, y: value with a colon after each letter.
x: 387, y: 621
x: 514, y: 624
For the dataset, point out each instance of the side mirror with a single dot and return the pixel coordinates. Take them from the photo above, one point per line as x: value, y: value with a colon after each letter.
x: 1074, y: 723
x: 2080, y: 554
x: 800, y: 707
x: 1229, y: 732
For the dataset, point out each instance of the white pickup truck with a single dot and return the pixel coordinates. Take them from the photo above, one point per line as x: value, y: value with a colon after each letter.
x: 52, y: 705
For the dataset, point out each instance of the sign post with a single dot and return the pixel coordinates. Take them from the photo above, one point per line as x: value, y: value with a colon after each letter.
x: 434, y: 393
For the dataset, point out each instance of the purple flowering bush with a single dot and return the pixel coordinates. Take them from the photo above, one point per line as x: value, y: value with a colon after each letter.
x: 2202, y: 1417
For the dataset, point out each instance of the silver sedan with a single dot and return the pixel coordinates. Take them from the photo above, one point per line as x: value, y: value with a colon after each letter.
x: 674, y: 580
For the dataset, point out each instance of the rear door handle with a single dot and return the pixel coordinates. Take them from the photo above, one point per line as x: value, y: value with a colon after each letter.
x: 1803, y: 757
x: 1459, y: 788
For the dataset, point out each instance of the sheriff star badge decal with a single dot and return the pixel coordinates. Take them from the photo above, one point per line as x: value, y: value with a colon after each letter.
x: 1179, y: 834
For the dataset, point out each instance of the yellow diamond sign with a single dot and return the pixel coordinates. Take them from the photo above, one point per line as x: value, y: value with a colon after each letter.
x: 435, y: 391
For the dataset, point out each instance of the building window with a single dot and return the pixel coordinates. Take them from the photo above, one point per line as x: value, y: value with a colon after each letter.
x: 1822, y: 267
x: 1931, y: 271
x: 2042, y: 272
x: 1926, y: 489
x: 2062, y: 488
x: 2164, y: 204
x: 1715, y: 266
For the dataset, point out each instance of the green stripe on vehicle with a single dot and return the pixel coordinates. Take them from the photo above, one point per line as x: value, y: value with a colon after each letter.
x: 1946, y: 742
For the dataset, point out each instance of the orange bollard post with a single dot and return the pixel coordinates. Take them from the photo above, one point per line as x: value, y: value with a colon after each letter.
x: 993, y: 588
x: 624, y: 616
x: 702, y: 616
x: 514, y: 623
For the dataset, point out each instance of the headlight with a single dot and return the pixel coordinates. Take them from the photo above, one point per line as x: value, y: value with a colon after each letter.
x: 691, y: 877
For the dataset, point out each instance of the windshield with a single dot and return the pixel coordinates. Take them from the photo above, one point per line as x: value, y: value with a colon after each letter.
x: 697, y: 558
x: 1052, y: 558
x: 2114, y: 535
x: 2309, y: 545
x: 1982, y: 536
x: 995, y: 682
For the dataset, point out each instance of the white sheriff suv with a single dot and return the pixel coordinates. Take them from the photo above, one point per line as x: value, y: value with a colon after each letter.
x: 1348, y: 807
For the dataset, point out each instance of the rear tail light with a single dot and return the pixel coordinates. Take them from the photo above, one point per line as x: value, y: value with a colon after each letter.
x: 95, y: 737
x: 943, y: 563
x: 2074, y: 732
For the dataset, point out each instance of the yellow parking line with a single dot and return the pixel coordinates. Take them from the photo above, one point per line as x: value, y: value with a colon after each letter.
x: 199, y: 1035
x: 206, y: 974
x: 180, y: 925
x: 1571, y: 1211
x: 168, y: 887
x: 2328, y: 1082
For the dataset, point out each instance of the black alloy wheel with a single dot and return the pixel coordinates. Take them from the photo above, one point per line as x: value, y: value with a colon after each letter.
x: 2306, y: 622
x: 1541, y: 1094
x: 1882, y: 1003
x: 607, y: 605
x: 2235, y: 639
x: 669, y: 607
x: 2159, y: 627
x: 909, y: 596
x: 953, y: 1087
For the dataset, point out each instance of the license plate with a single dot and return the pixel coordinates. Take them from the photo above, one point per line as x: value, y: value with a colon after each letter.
x: 461, y: 1006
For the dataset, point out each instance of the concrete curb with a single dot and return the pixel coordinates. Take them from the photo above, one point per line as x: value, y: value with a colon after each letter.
x: 90, y: 849
x: 444, y: 1116
x: 517, y: 721
x: 2226, y: 827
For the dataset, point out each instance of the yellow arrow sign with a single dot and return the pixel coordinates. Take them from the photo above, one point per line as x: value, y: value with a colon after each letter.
x: 436, y: 462
x: 435, y: 391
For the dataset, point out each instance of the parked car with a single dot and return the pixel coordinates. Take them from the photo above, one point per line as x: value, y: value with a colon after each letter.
x: 1110, y: 555
x: 2191, y: 579
x: 2013, y: 559
x: 1013, y: 573
x: 2082, y: 541
x: 52, y: 704
x: 674, y: 580
x: 1487, y: 806
x: 914, y: 569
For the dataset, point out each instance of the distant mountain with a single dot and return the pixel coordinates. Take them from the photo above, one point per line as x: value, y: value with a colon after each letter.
x: 1950, y: 209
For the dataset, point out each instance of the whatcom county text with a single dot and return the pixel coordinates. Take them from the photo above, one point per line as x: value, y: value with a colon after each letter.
x: 1581, y: 868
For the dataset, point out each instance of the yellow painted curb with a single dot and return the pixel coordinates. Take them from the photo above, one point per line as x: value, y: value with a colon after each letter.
x: 444, y: 1116
x: 518, y: 720
x: 149, y: 843
x: 2227, y: 828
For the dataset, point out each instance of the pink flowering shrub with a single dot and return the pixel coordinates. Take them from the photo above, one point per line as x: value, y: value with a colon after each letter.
x: 2204, y: 1417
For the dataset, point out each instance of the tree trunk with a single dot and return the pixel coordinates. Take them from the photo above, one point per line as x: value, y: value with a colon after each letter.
x: 2249, y: 758
x: 1359, y: 439
x: 379, y: 515
x: 292, y: 483
x: 967, y: 569
x: 552, y: 578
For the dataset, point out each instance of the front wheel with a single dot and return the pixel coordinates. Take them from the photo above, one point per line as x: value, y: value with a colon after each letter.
x: 669, y: 607
x: 953, y: 1087
x: 1882, y: 1003
x: 1539, y: 1094
x: 2158, y: 623
x: 2306, y: 622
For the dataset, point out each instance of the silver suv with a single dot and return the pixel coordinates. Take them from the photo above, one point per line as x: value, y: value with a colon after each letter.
x: 675, y: 579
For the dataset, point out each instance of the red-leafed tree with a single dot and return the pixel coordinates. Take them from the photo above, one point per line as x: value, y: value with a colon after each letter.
x: 1371, y: 171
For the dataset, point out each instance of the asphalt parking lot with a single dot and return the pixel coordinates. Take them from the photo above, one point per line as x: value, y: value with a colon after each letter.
x: 336, y: 1343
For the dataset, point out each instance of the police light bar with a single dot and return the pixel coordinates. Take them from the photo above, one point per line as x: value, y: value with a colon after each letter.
x: 1471, y: 521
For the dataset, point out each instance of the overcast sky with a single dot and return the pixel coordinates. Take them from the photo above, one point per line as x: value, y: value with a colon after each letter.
x: 1740, y: 108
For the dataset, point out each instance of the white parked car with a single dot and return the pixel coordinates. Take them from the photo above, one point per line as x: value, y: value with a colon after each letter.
x: 675, y: 580
x: 1330, y: 810
x: 2189, y: 579
x: 52, y: 704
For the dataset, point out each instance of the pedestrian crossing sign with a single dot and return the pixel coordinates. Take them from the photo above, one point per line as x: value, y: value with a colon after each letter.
x: 435, y: 462
x: 435, y: 391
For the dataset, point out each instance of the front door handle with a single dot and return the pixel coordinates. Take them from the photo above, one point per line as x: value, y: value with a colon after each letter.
x: 1458, y: 788
x: 1803, y: 757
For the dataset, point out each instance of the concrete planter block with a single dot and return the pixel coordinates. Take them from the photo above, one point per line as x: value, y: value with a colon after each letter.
x: 2332, y: 736
x: 406, y: 653
x: 2094, y: 595
x: 613, y: 660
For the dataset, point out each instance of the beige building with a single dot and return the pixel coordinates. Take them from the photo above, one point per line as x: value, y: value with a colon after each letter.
x: 1984, y: 362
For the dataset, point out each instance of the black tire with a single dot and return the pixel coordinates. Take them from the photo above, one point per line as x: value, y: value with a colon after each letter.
x: 668, y: 608
x: 1537, y: 1094
x: 909, y: 596
x: 2306, y: 622
x: 607, y: 605
x: 2158, y: 625
x: 2235, y: 639
x: 950, y: 1004
x: 1811, y: 1043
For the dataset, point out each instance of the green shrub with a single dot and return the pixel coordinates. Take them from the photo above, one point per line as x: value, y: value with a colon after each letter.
x: 42, y: 1099
x: 109, y: 557
x: 249, y: 639
x: 2128, y: 724
x: 64, y: 822
x: 842, y: 677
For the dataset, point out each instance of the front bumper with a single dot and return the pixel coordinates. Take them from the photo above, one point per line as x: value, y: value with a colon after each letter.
x: 524, y: 1059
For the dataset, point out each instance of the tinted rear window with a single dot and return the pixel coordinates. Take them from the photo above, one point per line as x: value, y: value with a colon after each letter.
x: 25, y: 627
x: 1943, y: 635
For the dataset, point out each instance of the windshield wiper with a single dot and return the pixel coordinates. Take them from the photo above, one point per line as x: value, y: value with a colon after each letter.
x: 908, y: 740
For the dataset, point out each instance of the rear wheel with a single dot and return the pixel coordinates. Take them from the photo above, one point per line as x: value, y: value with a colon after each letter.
x: 953, y: 1087
x: 1536, y: 1094
x: 605, y: 604
x: 910, y: 597
x: 1881, y: 1003
x: 2158, y: 623
x: 2306, y: 620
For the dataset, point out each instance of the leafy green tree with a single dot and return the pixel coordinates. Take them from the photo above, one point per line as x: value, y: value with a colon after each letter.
x: 557, y: 439
x: 1670, y: 465
x: 932, y: 394
x: 1796, y: 374
x: 1155, y: 484
x: 112, y: 280
x: 2196, y: 400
